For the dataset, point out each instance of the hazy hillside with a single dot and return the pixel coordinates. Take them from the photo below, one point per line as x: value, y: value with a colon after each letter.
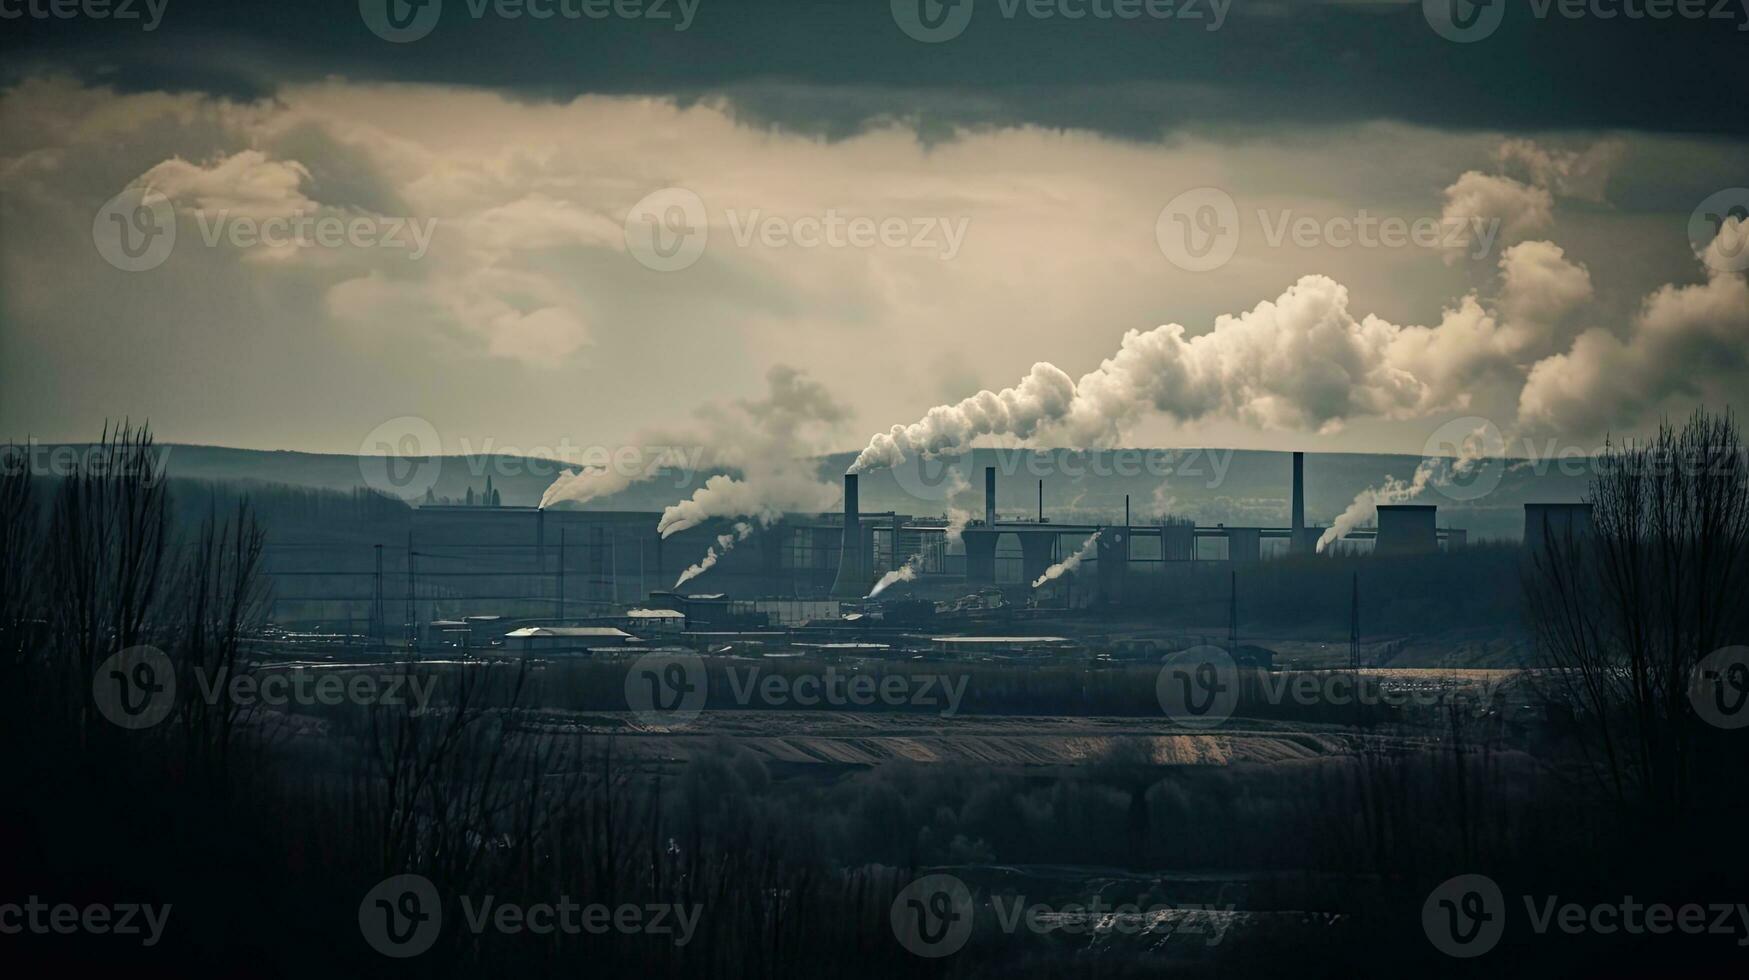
x: 1215, y: 486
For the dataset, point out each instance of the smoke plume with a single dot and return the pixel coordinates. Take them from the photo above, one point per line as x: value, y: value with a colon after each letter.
x: 765, y: 440
x: 1070, y: 563
x: 904, y: 573
x: 1300, y: 362
x: 725, y: 543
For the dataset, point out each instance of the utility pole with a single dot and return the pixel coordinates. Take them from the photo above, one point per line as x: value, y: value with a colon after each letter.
x: 1233, y: 612
x: 412, y: 606
x: 561, y: 574
x: 1354, y: 625
x: 378, y: 634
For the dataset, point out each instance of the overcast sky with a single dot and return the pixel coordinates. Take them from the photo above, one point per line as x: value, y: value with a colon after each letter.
x: 904, y: 221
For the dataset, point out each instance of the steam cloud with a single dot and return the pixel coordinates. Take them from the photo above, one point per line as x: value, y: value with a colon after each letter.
x: 904, y: 573
x: 765, y: 439
x: 1300, y: 362
x: 1070, y: 563
x: 725, y: 543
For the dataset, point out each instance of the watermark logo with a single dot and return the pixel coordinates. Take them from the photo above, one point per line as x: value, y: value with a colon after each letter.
x: 135, y: 688
x: 1198, y: 687
x: 1719, y: 230
x: 401, y: 457
x: 1479, y: 450
x: 667, y: 690
x: 400, y: 21
x: 149, y: 13
x: 1465, y: 916
x: 135, y: 231
x: 66, y: 919
x: 1198, y: 230
x: 932, y: 21
x: 668, y: 229
x: 932, y: 916
x: 1718, y: 688
x: 1464, y: 21
x: 402, y: 916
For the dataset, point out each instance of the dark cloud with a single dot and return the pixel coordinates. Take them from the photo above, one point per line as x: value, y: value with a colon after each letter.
x: 828, y: 67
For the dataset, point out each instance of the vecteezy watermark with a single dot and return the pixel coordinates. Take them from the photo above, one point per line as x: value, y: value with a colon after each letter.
x: 932, y: 916
x: 670, y: 690
x: 935, y: 21
x: 1465, y: 21
x: 137, y: 688
x: 1719, y: 229
x: 668, y: 230
x: 135, y: 231
x: 401, y: 21
x: 1198, y: 687
x: 832, y: 689
x: 1201, y: 688
x: 403, y: 457
x: 1475, y: 452
x: 941, y: 477
x: 1718, y: 688
x: 1466, y: 916
x: 97, y: 919
x: 403, y: 916
x: 148, y: 13
x: 302, y: 229
x: 93, y: 459
x: 935, y: 916
x: 1200, y: 230
x: 667, y: 690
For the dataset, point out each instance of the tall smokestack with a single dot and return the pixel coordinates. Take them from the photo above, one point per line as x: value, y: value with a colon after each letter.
x: 990, y: 496
x: 850, y: 581
x: 1297, y: 541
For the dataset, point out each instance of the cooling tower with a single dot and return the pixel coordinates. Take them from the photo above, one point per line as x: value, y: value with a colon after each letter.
x: 1407, y: 529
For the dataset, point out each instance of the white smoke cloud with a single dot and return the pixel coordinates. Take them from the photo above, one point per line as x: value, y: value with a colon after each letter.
x: 764, y: 496
x: 1070, y: 563
x: 1300, y: 362
x: 767, y: 439
x: 1042, y: 396
x: 907, y: 572
x: 1365, y: 506
x: 725, y: 544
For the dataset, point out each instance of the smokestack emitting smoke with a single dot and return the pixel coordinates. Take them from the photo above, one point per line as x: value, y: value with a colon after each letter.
x: 1433, y: 470
x: 1070, y: 563
x: 904, y: 573
x: 1299, y: 362
x: 725, y: 543
x: 1366, y: 503
x: 770, y: 441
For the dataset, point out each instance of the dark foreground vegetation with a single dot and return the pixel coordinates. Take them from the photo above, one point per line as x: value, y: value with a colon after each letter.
x: 265, y: 829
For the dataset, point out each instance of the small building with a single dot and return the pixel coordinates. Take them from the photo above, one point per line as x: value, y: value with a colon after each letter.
x: 656, y: 620
x: 566, y: 639
x: 1001, y: 644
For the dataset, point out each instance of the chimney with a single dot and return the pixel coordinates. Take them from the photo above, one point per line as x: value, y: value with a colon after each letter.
x: 850, y: 581
x: 1297, y: 540
x: 990, y: 496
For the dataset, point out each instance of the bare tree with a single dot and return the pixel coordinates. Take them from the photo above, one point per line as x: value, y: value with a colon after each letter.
x: 1622, y: 614
x: 107, y: 556
x: 221, y: 598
